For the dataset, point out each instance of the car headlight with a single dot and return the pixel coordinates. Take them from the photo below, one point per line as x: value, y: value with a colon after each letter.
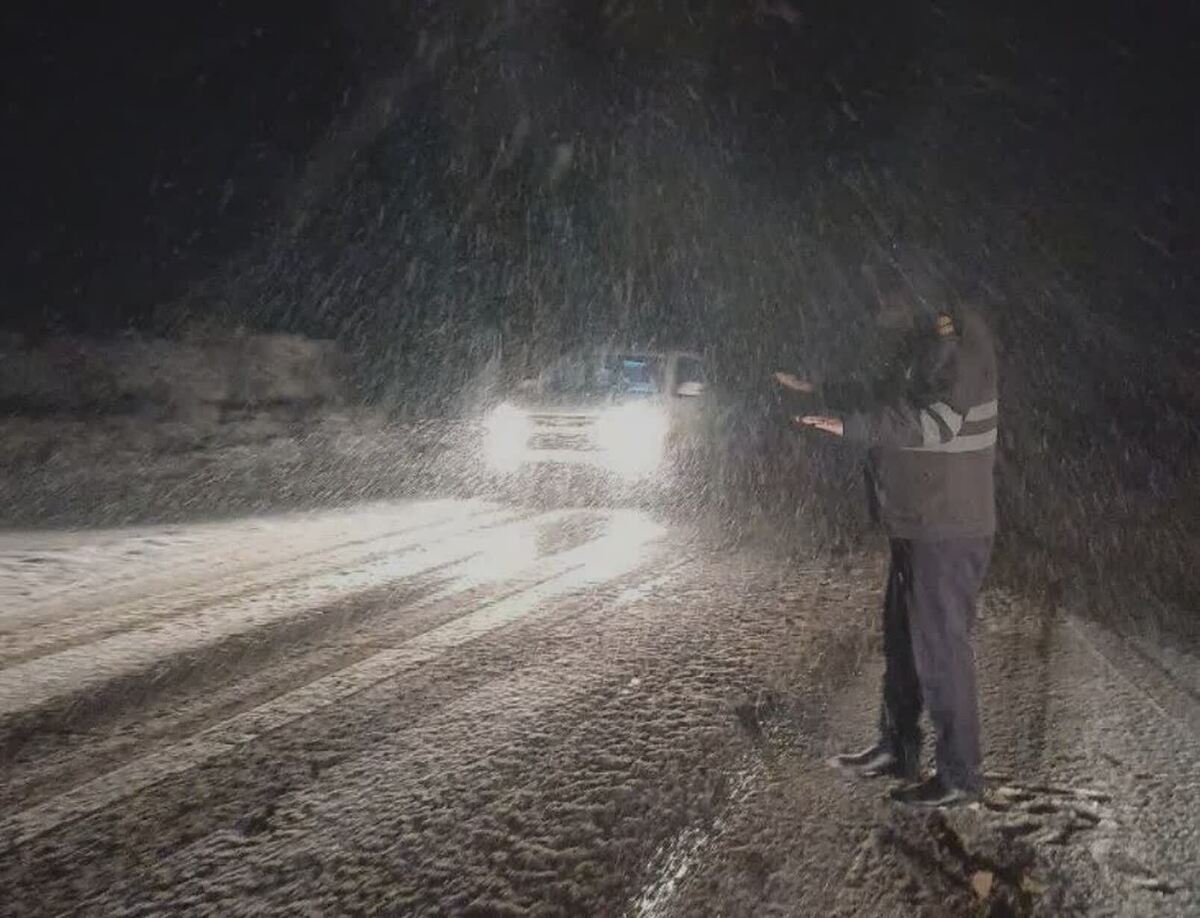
x: 506, y: 434
x: 632, y: 438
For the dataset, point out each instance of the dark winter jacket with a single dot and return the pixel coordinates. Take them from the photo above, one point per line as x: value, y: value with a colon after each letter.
x: 932, y: 439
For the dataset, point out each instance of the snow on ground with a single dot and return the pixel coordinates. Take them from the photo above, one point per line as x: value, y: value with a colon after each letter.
x: 461, y: 707
x: 46, y: 571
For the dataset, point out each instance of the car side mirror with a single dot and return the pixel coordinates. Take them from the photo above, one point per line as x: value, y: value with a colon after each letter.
x: 690, y: 389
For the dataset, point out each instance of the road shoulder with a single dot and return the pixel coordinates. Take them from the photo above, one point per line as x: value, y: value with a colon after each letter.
x: 1094, y: 788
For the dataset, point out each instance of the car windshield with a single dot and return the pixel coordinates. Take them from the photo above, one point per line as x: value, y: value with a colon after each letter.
x: 612, y: 376
x: 630, y: 374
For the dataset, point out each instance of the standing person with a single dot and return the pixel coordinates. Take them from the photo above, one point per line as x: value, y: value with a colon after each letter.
x: 931, y: 441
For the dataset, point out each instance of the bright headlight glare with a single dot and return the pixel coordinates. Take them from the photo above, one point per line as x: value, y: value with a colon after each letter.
x: 506, y: 435
x: 507, y: 421
x: 632, y: 437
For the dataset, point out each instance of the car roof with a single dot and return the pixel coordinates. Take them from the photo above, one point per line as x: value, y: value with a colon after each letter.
x: 636, y: 352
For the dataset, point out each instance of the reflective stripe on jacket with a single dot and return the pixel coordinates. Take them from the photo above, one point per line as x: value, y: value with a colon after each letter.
x: 933, y: 445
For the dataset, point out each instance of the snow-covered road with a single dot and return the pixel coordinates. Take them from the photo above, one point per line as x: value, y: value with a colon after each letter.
x: 461, y: 707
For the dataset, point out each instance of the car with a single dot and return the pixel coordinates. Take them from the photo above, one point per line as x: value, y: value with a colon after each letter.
x: 629, y: 412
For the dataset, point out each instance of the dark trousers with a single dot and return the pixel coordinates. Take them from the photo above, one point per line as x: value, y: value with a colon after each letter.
x: 928, y: 617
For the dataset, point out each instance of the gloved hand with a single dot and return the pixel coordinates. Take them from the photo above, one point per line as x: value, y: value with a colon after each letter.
x: 793, y: 382
x: 830, y: 425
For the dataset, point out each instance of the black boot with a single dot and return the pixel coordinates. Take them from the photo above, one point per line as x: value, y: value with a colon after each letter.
x: 879, y: 761
x: 934, y: 793
x: 859, y: 759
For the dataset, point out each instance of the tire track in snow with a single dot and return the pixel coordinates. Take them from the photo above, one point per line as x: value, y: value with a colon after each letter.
x: 625, y: 546
x: 684, y: 852
x: 35, y: 683
x: 47, y: 574
x: 98, y: 608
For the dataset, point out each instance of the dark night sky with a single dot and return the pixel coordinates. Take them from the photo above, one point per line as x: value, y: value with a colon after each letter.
x: 146, y: 143
x: 148, y: 146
